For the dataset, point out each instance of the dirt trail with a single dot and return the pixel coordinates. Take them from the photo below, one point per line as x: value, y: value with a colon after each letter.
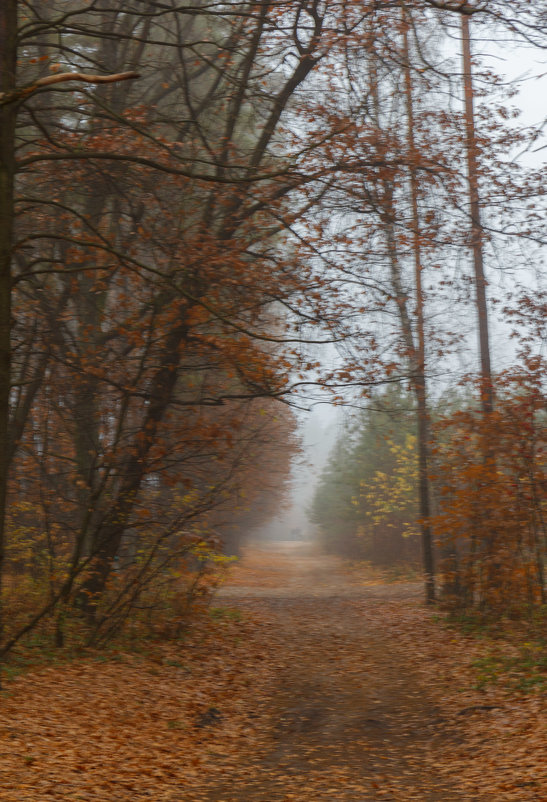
x: 303, y: 682
x: 346, y: 719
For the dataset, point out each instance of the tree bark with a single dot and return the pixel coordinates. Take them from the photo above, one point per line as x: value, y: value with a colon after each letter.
x: 419, y: 380
x: 487, y: 395
x: 489, y: 557
x: 416, y: 352
x: 8, y: 62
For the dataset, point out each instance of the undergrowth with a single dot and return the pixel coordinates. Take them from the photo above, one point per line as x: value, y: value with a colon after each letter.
x: 169, y: 611
x: 516, y: 649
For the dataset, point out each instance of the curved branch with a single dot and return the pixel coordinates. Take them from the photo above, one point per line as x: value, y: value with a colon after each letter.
x: 82, y: 77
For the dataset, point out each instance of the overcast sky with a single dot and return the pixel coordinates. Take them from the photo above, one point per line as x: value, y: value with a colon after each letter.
x: 320, y: 426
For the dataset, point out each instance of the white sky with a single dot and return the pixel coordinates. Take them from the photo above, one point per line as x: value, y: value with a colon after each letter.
x: 319, y: 427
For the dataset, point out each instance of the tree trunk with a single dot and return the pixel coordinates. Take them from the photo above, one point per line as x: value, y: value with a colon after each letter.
x: 419, y: 379
x: 487, y: 396
x: 108, y: 539
x: 8, y: 114
x: 416, y: 353
x: 490, y: 560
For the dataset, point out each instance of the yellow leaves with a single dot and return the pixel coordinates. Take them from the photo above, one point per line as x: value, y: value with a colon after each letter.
x: 391, y: 495
x: 191, y: 498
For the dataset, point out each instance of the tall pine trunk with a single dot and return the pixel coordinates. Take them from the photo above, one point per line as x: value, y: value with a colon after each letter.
x: 415, y: 351
x: 418, y: 356
x: 490, y: 564
x: 487, y: 395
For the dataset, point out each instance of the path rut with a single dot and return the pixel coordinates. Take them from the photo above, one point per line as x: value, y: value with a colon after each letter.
x: 345, y: 718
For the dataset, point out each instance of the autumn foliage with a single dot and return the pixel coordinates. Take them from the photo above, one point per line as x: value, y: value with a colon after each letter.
x: 491, y: 523
x: 175, y: 249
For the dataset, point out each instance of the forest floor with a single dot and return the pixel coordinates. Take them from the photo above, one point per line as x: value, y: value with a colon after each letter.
x: 309, y: 682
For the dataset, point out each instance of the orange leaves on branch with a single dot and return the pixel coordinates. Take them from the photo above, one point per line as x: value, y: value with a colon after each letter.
x: 490, y: 474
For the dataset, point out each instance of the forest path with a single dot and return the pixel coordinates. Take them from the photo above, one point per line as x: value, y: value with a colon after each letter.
x: 304, y: 681
x: 346, y: 718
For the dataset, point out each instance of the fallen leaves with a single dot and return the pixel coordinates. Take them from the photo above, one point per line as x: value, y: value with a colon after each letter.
x: 325, y: 689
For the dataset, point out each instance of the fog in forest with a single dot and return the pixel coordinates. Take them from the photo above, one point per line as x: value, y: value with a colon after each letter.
x: 318, y: 430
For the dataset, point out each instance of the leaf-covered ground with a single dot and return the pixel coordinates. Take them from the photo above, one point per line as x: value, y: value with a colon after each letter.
x: 309, y: 683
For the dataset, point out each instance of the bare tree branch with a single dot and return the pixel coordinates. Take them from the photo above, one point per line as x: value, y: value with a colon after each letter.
x: 25, y: 91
